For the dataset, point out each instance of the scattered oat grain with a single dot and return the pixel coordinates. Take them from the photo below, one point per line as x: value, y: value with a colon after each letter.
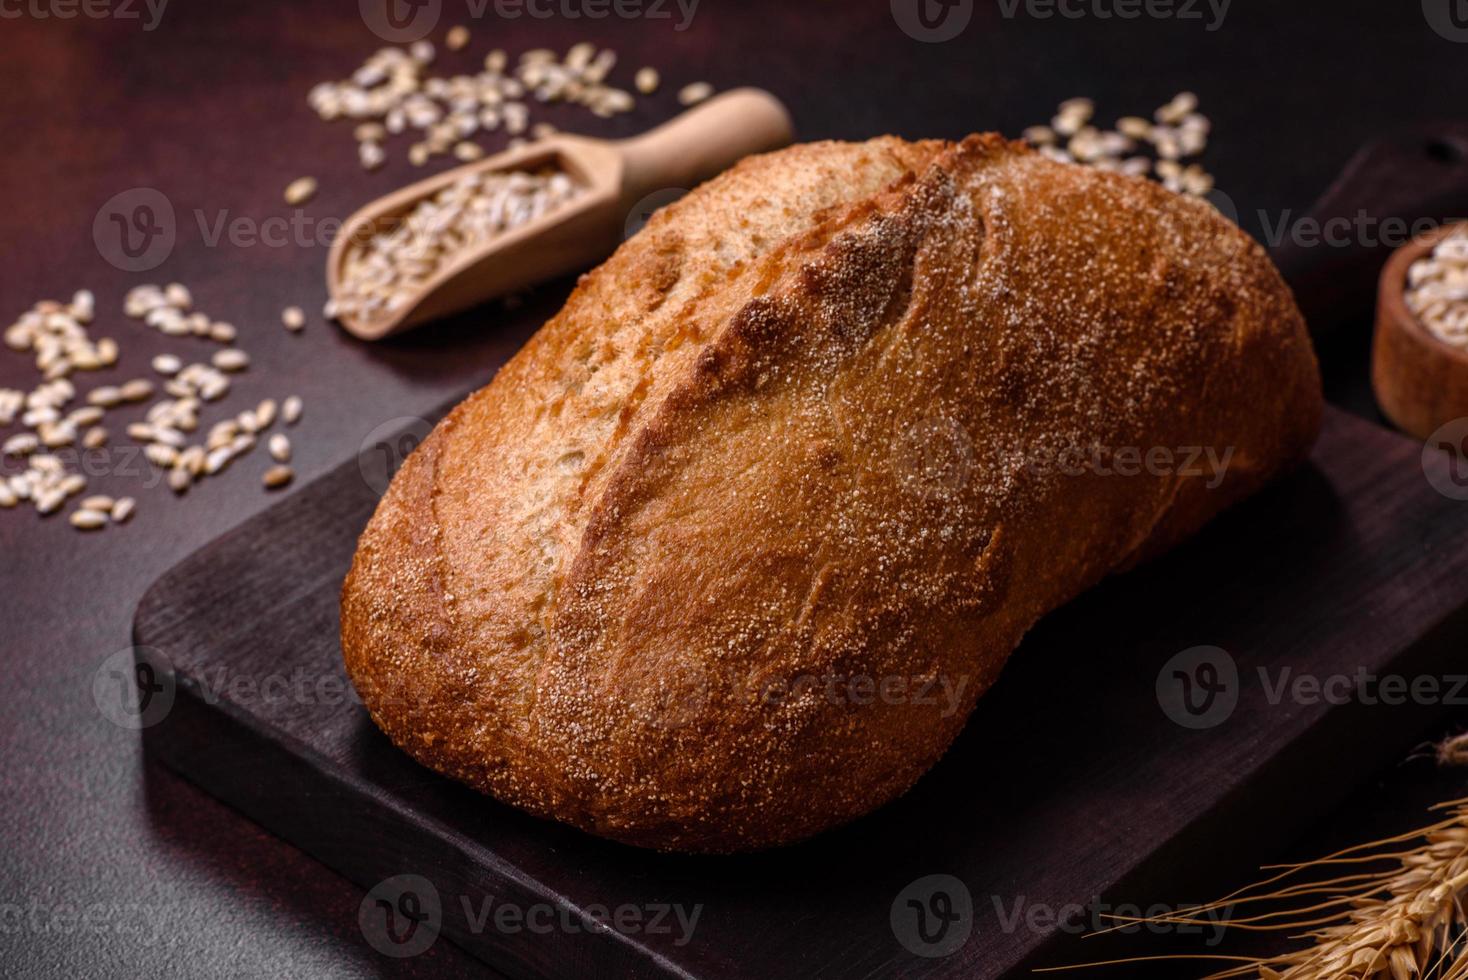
x: 300, y: 190
x: 88, y: 520
x: 694, y: 93
x: 230, y: 359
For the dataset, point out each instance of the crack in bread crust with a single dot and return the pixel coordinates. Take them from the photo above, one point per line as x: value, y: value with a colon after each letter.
x: 785, y: 441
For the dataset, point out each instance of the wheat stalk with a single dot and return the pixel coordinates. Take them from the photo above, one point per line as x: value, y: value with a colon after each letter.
x: 1388, y: 910
x: 1403, y: 922
x: 1453, y: 751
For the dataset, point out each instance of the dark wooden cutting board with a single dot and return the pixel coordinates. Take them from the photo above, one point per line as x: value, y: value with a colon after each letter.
x: 1070, y: 781
x: 1074, y: 778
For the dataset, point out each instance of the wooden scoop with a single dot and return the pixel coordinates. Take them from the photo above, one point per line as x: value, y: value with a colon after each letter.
x: 612, y: 176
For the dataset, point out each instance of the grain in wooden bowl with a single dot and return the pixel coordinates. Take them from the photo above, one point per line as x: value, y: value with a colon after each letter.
x: 1419, y: 364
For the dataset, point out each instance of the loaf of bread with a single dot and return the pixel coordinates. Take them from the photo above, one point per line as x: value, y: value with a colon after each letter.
x: 727, y: 554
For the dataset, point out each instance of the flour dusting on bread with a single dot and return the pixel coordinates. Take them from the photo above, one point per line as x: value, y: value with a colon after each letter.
x: 804, y: 427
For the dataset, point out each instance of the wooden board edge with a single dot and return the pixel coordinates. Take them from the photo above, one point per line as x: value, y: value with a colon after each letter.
x: 195, y: 735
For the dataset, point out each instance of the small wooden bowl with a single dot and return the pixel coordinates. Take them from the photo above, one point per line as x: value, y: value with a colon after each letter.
x: 1421, y: 381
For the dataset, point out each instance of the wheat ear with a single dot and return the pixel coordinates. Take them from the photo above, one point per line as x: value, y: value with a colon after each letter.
x: 1398, y: 914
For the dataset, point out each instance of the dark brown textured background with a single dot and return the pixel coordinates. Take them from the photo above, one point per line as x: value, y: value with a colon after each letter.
x: 209, y: 108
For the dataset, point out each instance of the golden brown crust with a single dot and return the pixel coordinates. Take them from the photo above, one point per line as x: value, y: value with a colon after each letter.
x: 726, y: 555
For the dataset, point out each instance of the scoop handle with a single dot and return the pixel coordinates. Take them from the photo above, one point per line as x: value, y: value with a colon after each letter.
x: 703, y: 141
